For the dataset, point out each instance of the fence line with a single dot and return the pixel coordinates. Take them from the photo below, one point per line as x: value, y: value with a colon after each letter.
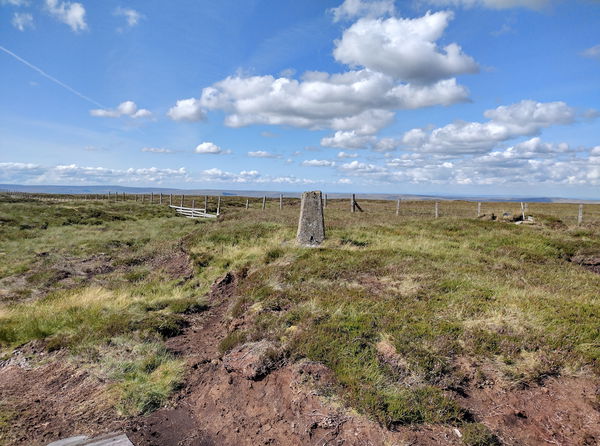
x: 575, y: 213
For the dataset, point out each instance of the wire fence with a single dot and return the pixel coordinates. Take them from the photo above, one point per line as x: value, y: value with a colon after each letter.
x: 569, y: 213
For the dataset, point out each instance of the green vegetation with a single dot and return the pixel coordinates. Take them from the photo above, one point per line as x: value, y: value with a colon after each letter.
x: 436, y: 291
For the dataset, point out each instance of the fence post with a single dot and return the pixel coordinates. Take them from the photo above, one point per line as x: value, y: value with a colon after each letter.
x: 264, y: 202
x: 181, y: 201
x: 479, y: 209
x: 437, y: 209
x: 205, y: 203
x: 193, y: 204
x: 160, y: 198
x: 170, y: 199
x: 151, y: 197
x: 352, y: 205
x: 280, y: 201
x: 247, y: 203
x: 580, y: 215
x: 123, y: 196
x: 523, y: 211
x: 398, y: 207
x: 218, y: 205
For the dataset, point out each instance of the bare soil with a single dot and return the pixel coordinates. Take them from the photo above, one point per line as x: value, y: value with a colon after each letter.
x: 288, y: 406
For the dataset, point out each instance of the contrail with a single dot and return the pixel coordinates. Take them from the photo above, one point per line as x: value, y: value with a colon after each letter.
x: 53, y: 79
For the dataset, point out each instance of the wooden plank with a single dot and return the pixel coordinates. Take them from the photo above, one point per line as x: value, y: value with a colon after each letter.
x: 112, y: 439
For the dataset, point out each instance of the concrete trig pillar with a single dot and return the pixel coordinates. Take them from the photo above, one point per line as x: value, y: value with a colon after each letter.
x: 311, y: 225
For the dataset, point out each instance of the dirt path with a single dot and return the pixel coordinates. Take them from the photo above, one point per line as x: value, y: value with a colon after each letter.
x: 221, y: 408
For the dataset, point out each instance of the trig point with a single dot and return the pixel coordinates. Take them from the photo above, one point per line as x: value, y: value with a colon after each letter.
x: 311, y: 226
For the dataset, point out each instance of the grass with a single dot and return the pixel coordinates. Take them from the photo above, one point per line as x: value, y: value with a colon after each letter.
x: 437, y: 290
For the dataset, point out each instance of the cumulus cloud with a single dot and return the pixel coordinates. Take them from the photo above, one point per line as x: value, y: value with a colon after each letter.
x: 186, y: 110
x: 156, y: 150
x: 592, y: 53
x: 131, y: 15
x: 70, y: 13
x: 493, y: 4
x: 356, y: 167
x: 363, y: 99
x: 22, y: 21
x: 524, y: 118
x: 343, y: 155
x: 404, y: 49
x: 27, y: 173
x: 351, y: 9
x: 529, y: 162
x: 263, y: 154
x: 550, y: 164
x: 348, y: 140
x: 318, y: 163
x: 127, y: 108
x: 209, y: 148
x: 395, y: 64
x: 74, y: 174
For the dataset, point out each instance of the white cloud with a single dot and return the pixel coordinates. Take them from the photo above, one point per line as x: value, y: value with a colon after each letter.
x: 14, y: 2
x: 131, y: 15
x: 357, y: 167
x: 343, y: 155
x: 156, y: 150
x: 72, y: 14
x: 362, y: 99
x: 209, y: 148
x: 186, y: 110
x: 493, y: 4
x: 74, y: 174
x: 351, y: 9
x: 344, y: 181
x: 348, y: 140
x: 412, y: 73
x: 386, y: 145
x: 529, y: 162
x: 524, y: 118
x: 22, y: 21
x: 592, y: 53
x: 403, y: 48
x: 127, y: 108
x: 318, y: 163
x: 263, y: 154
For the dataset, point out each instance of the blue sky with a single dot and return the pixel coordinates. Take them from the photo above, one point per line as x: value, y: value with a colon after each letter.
x: 427, y: 96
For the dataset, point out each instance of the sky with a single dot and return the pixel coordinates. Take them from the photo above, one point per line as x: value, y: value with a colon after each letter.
x: 447, y: 97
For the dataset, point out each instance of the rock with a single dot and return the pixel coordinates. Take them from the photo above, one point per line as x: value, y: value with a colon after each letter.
x: 253, y: 360
x: 311, y: 226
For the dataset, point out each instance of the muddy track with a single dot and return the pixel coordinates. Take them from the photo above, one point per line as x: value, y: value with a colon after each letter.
x: 220, y: 408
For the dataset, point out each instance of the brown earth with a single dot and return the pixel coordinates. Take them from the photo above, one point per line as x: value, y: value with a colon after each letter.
x: 590, y: 262
x: 52, y: 272
x: 48, y: 398
x: 287, y: 405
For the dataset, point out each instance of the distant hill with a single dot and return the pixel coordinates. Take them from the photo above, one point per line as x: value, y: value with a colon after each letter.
x: 51, y: 189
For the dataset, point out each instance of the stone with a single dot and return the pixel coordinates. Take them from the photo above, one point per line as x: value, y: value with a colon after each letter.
x: 252, y: 360
x: 311, y: 225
